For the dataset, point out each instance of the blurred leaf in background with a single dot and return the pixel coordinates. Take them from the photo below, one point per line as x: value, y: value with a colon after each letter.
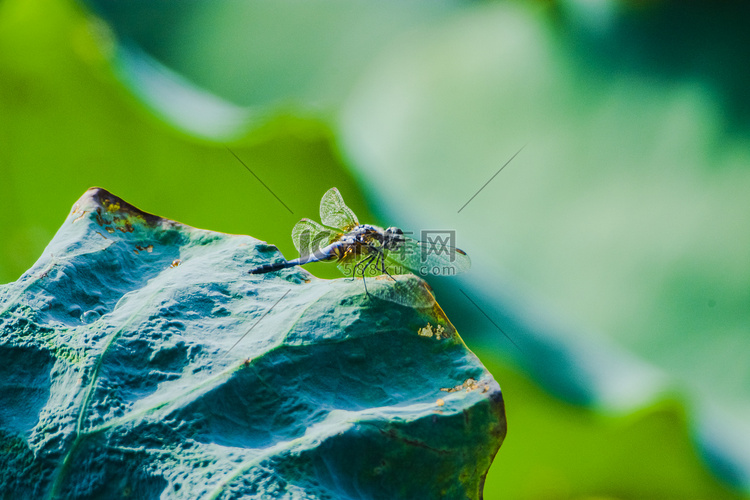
x: 559, y: 450
x: 612, y: 249
x: 623, y: 215
x: 67, y: 124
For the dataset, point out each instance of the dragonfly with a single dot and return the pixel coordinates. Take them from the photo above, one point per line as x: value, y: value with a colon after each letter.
x: 361, y: 249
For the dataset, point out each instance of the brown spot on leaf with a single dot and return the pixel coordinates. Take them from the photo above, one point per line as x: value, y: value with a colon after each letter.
x: 469, y: 385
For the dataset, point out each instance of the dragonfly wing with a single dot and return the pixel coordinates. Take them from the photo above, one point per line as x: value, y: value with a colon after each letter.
x: 309, y: 236
x: 423, y: 258
x: 452, y: 262
x: 408, y: 291
x: 335, y: 213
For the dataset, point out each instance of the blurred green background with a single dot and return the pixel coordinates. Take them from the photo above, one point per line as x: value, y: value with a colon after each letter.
x: 614, y: 249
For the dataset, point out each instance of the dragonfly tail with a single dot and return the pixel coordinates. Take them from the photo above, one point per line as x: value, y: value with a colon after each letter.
x: 268, y: 268
x: 326, y: 253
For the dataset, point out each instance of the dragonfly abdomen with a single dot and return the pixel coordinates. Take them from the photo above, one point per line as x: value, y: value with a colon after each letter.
x: 276, y: 266
x: 330, y: 252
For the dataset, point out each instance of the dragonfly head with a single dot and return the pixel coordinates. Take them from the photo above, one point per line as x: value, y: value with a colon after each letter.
x: 393, y: 237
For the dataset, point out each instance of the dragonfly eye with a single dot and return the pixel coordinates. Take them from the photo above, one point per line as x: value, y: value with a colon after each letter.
x: 393, y: 238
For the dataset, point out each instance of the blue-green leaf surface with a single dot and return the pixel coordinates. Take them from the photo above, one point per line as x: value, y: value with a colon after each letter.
x: 139, y: 359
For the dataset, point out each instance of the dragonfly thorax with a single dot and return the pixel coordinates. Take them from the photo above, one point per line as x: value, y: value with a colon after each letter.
x: 368, y: 234
x: 365, y: 233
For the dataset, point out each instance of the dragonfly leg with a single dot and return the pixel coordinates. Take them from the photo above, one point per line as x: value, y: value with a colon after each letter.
x: 367, y: 262
x: 354, y: 271
x: 381, y: 265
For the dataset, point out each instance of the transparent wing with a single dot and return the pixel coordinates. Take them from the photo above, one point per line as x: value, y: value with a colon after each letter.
x: 309, y: 236
x: 426, y: 258
x: 406, y: 290
x: 335, y: 213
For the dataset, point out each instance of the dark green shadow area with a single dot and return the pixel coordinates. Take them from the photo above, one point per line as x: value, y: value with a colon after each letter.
x: 558, y: 450
x: 672, y: 41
